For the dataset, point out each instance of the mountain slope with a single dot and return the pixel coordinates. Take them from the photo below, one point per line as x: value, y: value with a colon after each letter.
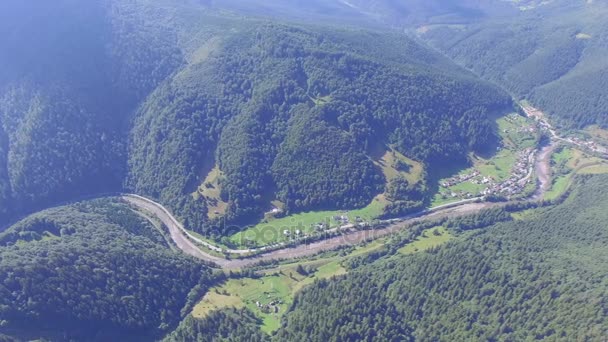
x: 242, y: 106
x: 70, y: 74
x: 92, y: 271
x: 552, y: 55
x: 206, y: 112
x: 536, y: 278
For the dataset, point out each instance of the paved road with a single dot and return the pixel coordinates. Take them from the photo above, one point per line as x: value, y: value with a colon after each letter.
x: 187, y: 242
x: 176, y: 230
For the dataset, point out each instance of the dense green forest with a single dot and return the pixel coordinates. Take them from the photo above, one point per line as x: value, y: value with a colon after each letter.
x: 222, y: 111
x: 224, y: 325
x: 156, y: 97
x: 71, y: 73
x: 293, y: 117
x: 535, y: 278
x: 550, y: 52
x: 552, y: 55
x: 93, y: 271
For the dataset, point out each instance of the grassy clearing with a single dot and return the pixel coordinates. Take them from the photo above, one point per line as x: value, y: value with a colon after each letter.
x: 272, y: 231
x: 594, y: 170
x: 517, y: 132
x: 269, y: 296
x: 430, y: 238
x: 394, y: 164
x: 563, y: 156
x: 559, y: 187
x: 524, y: 215
x: 211, y: 190
x: 213, y: 301
x: 567, y: 160
x: 499, y: 167
x: 278, y: 285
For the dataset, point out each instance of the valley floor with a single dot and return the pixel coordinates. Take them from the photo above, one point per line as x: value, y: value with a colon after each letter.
x: 540, y: 165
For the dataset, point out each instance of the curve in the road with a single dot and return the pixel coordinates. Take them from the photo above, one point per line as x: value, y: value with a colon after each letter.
x: 187, y: 242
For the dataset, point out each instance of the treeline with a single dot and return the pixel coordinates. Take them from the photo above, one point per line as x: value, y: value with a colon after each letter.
x: 511, y: 281
x: 93, y: 271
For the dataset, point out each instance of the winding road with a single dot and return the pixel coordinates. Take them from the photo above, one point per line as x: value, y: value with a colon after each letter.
x: 186, y: 242
x: 191, y: 244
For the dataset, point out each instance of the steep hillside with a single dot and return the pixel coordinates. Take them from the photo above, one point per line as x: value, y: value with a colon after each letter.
x: 92, y: 271
x: 539, y: 277
x: 549, y: 52
x: 270, y: 94
x: 70, y: 74
x: 211, y: 113
x: 552, y: 55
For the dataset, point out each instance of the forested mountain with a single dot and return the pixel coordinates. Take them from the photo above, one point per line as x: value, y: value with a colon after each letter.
x: 70, y: 74
x: 153, y: 97
x: 373, y: 13
x: 537, y: 278
x: 549, y: 52
x: 224, y: 110
x: 93, y: 271
x: 553, y: 55
x: 280, y: 92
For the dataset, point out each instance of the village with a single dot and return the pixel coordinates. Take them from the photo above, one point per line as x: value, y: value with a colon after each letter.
x: 336, y: 222
x: 520, y: 177
x: 587, y: 144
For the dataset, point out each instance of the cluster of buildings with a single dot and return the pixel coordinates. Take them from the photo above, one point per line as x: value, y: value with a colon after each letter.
x: 589, y: 144
x: 531, y: 128
x: 296, y: 232
x: 342, y: 219
x: 459, y: 179
x: 521, y: 175
x: 272, y: 307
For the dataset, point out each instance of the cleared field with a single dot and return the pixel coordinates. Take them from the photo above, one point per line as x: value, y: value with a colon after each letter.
x: 517, y: 132
x: 559, y: 187
x: 269, y: 296
x: 594, y: 170
x: 430, y: 238
x: 211, y: 189
x: 571, y: 161
x: 563, y: 156
x: 214, y: 300
x: 395, y: 164
x: 272, y: 231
